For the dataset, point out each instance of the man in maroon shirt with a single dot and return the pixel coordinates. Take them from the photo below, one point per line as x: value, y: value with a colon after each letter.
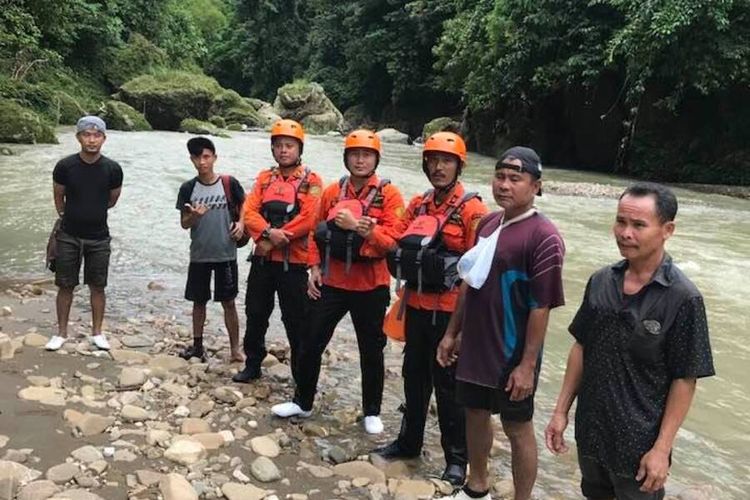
x: 500, y: 326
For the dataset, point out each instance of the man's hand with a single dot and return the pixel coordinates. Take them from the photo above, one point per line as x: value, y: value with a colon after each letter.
x: 521, y: 382
x: 237, y: 230
x: 196, y: 211
x: 365, y: 225
x: 345, y: 220
x: 314, y: 282
x: 447, y: 351
x: 263, y: 248
x: 653, y: 470
x: 279, y: 237
x: 554, y: 434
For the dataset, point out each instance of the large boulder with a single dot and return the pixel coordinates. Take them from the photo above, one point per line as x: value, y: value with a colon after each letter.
x: 168, y: 98
x: 307, y: 103
x: 392, y: 135
x: 119, y: 116
x: 265, y: 110
x: 21, y: 125
x: 234, y: 108
x: 199, y: 127
x: 440, y: 124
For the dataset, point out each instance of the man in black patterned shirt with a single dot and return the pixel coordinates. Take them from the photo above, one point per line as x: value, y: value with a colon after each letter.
x: 641, y: 341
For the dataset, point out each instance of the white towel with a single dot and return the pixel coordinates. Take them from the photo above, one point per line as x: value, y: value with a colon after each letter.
x: 474, y: 266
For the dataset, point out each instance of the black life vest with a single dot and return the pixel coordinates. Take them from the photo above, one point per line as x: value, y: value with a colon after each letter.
x: 421, y: 257
x: 341, y: 244
x: 279, y: 204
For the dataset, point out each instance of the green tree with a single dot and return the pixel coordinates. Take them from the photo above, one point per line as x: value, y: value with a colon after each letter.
x: 263, y: 46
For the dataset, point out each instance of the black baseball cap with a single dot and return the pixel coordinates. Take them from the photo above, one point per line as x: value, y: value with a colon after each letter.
x: 530, y: 161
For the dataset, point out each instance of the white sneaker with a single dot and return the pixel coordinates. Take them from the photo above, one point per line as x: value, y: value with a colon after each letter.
x: 290, y: 409
x: 100, y: 341
x: 373, y: 424
x: 55, y: 342
x: 461, y: 495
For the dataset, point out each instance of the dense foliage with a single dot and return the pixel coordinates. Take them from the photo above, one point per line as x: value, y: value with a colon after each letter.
x: 655, y: 89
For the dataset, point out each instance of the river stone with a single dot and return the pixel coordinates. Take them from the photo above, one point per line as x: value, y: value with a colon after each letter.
x: 317, y: 471
x: 35, y: 340
x: 360, y: 468
x: 87, y: 454
x: 185, y: 452
x: 236, y: 491
x: 132, y: 413
x: 133, y: 341
x: 209, y: 440
x: 38, y: 490
x: 13, y: 474
x: 269, y: 361
x: 279, y: 372
x: 3, y: 440
x: 6, y: 311
x: 99, y: 466
x: 176, y: 487
x: 45, y: 395
x: 62, y: 473
x: 158, y: 437
x: 195, y: 426
x: 163, y: 362
x: 130, y: 357
x: 92, y: 424
x: 178, y: 390
x: 38, y: 381
x: 313, y: 429
x: 338, y: 455
x: 148, y: 477
x: 226, y: 395
x: 246, y: 403
x: 7, y: 350
x: 409, y: 488
x: 124, y: 456
x: 392, y: 135
x: 200, y: 407
x: 76, y: 494
x: 265, y: 446
x: 131, y: 377
x: 264, y: 470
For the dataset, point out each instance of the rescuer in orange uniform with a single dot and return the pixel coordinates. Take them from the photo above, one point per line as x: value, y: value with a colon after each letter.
x: 279, y: 214
x: 358, y: 222
x: 439, y: 227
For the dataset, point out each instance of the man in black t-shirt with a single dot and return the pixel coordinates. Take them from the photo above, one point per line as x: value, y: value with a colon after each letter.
x: 641, y: 341
x: 85, y: 186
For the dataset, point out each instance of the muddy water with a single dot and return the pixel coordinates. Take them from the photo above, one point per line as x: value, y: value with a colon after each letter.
x: 712, y: 245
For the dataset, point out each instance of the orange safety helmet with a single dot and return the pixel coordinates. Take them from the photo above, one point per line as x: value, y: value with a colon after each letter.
x: 446, y: 142
x: 363, y: 138
x: 289, y: 128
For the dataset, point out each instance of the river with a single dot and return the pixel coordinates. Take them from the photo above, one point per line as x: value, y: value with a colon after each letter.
x: 711, y: 244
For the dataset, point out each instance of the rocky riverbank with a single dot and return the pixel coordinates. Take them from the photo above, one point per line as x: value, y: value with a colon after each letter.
x: 141, y: 423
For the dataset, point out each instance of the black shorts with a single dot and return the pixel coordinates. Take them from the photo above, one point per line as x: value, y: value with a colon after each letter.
x: 494, y: 400
x: 72, y: 251
x: 198, y: 287
x: 598, y: 482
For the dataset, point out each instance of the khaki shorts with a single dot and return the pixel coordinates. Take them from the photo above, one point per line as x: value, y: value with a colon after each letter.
x: 72, y: 251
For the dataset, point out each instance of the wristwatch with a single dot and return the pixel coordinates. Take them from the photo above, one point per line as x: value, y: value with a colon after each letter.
x: 266, y: 234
